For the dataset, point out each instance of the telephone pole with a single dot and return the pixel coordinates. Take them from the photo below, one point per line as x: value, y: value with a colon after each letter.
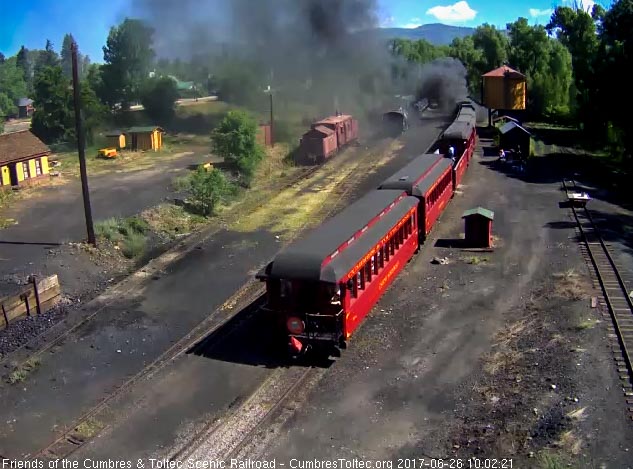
x: 81, y: 148
x: 272, y: 132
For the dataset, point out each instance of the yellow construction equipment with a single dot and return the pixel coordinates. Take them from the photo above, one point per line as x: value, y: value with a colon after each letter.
x: 108, y: 153
x: 207, y: 166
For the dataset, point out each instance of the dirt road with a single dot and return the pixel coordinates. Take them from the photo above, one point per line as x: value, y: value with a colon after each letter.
x: 487, y: 356
x: 55, y: 216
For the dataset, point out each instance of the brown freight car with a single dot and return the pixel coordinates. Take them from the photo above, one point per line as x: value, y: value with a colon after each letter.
x: 326, y: 137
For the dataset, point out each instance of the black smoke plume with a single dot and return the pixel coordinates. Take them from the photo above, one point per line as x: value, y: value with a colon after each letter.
x: 326, y: 53
x: 444, y: 81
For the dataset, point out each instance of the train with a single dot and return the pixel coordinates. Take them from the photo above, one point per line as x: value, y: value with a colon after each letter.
x: 319, y: 289
x: 326, y: 137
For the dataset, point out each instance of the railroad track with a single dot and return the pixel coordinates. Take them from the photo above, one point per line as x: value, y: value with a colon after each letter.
x: 250, y: 296
x: 615, y: 295
x: 230, y: 436
x: 121, y: 290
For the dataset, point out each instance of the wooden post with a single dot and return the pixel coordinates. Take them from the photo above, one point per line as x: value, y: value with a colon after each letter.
x: 6, y: 318
x: 81, y: 147
x: 25, y: 298
x: 37, y: 295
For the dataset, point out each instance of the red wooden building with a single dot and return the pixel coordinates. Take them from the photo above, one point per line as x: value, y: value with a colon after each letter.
x: 478, y: 227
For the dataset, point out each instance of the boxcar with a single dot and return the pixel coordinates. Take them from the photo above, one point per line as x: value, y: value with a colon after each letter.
x: 326, y: 137
x: 345, y: 127
x: 318, y: 144
x: 320, y: 288
x: 429, y: 178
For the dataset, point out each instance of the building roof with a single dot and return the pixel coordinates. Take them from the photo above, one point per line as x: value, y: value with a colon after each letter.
x: 508, y: 126
x: 504, y: 71
x: 333, y: 249
x: 484, y: 212
x: 333, y: 120
x: 23, y: 102
x: 139, y: 130
x: 19, y: 146
x: 506, y: 118
x: 458, y: 130
x: 419, y: 175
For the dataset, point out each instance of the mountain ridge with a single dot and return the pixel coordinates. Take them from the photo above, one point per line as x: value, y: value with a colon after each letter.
x: 435, y: 33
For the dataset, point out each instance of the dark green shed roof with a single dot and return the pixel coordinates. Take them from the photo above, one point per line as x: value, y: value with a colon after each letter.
x: 139, y: 130
x: 484, y: 212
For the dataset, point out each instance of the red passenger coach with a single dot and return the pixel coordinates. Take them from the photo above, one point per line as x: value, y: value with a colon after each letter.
x: 461, y: 136
x: 320, y: 288
x: 428, y: 177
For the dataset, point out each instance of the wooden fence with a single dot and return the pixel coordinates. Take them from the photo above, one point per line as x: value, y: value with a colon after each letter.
x: 40, y: 296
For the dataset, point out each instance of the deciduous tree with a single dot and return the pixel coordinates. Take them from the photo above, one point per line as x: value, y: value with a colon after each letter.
x: 235, y: 139
x: 128, y: 57
x: 158, y: 97
x: 12, y: 87
x: 52, y: 120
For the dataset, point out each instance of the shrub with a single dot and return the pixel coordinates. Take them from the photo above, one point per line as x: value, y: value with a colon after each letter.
x: 130, y: 233
x: 133, y: 245
x: 235, y: 139
x: 207, y: 189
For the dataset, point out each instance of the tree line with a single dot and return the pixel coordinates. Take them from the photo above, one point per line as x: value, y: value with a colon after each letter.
x: 122, y: 80
x: 575, y: 66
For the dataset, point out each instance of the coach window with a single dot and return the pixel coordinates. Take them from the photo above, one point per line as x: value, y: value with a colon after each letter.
x: 367, y: 269
x: 376, y: 265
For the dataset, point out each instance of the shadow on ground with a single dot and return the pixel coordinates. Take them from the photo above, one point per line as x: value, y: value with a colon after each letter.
x: 252, y: 338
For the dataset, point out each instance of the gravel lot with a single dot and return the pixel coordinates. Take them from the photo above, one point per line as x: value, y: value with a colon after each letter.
x: 494, y: 355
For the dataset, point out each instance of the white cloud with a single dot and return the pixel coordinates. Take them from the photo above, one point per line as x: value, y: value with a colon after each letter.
x: 387, y: 21
x: 412, y: 24
x: 587, y: 5
x: 459, y: 11
x: 535, y: 12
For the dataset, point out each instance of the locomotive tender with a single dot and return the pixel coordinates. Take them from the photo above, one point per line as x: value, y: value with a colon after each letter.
x: 320, y: 288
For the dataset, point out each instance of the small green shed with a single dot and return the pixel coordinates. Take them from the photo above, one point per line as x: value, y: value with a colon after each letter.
x: 478, y: 228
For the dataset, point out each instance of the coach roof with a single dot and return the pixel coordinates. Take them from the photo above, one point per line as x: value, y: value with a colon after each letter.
x: 458, y: 130
x: 348, y: 236
x: 411, y: 177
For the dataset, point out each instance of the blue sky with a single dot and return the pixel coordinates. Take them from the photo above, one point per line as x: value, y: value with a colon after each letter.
x: 32, y: 22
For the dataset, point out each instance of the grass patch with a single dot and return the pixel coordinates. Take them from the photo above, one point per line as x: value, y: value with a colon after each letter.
x: 476, y: 260
x: 570, y: 285
x: 89, y: 428
x: 551, y: 460
x: 7, y: 222
x: 22, y: 372
x: 586, y: 324
x: 129, y: 234
x: 171, y: 220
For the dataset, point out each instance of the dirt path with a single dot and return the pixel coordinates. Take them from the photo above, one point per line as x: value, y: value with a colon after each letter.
x: 54, y: 216
x: 134, y: 330
x: 488, y: 356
